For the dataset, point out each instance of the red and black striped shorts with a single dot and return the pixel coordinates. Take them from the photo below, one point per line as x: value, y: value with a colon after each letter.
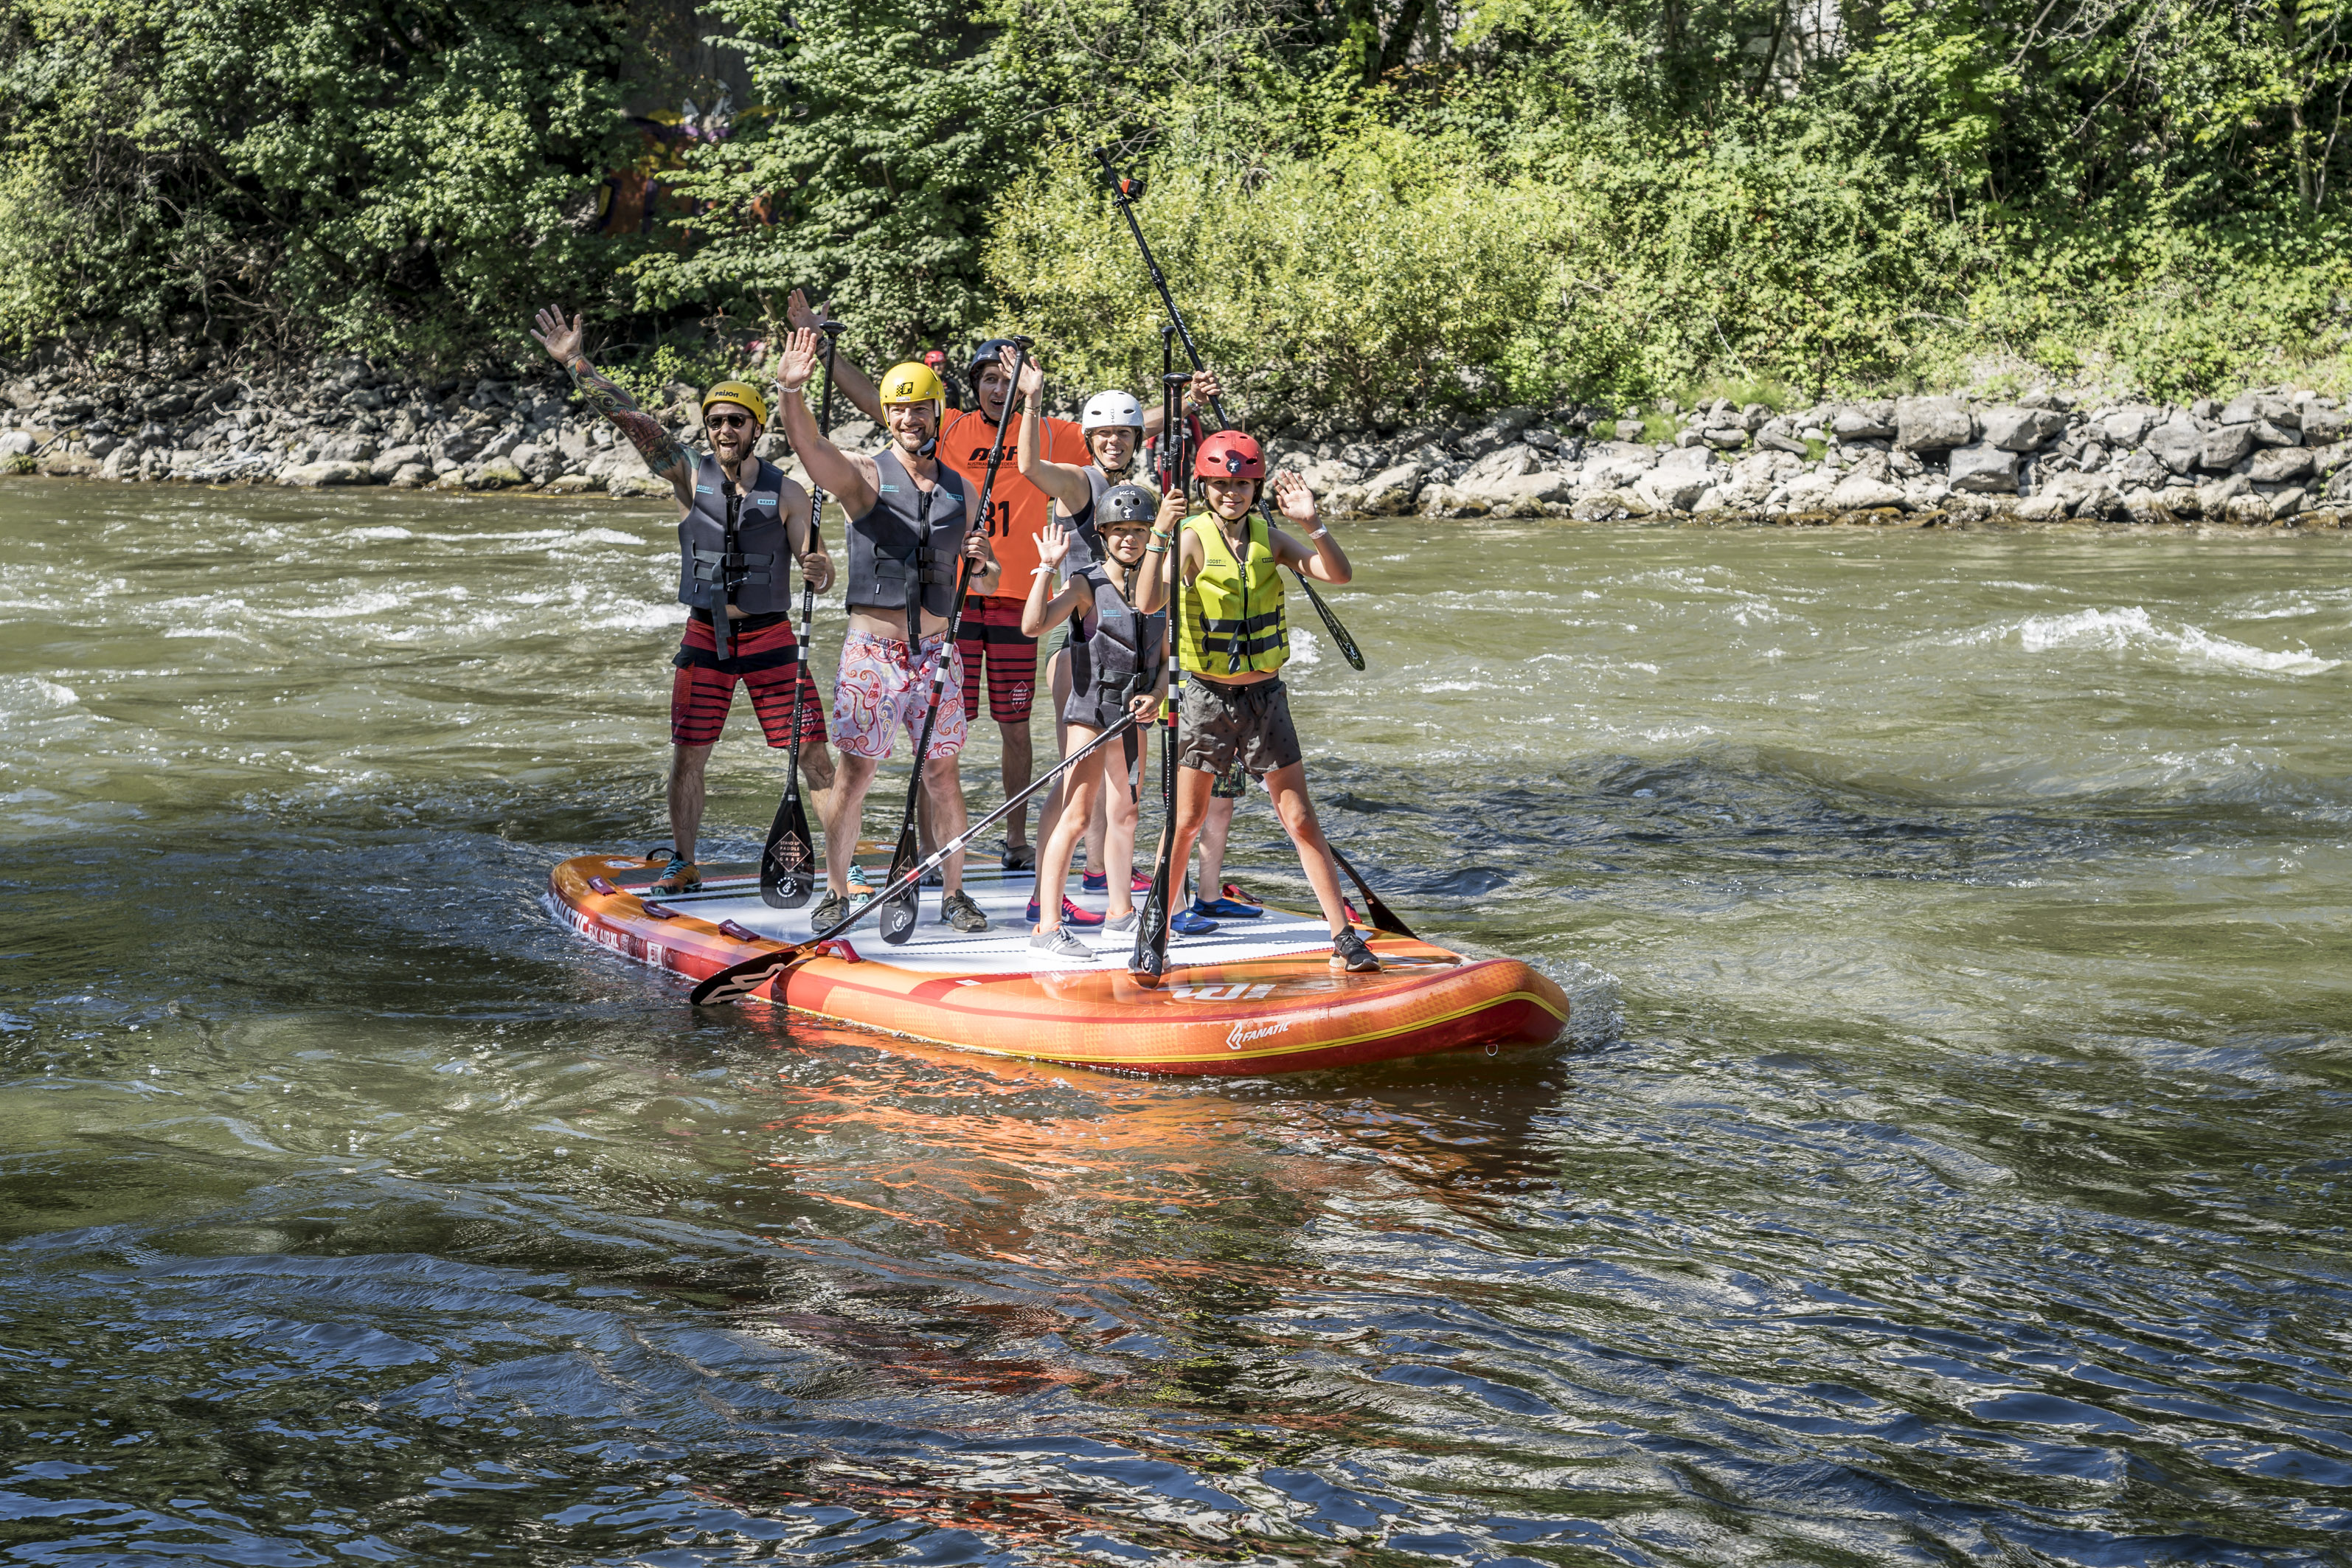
x: 991, y: 634
x: 766, y: 660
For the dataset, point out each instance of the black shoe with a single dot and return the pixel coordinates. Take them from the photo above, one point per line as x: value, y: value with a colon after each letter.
x: 1348, y: 952
x: 956, y: 910
x: 831, y: 910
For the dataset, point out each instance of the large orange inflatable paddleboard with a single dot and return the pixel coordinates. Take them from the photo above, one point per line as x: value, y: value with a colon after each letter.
x: 1253, y: 996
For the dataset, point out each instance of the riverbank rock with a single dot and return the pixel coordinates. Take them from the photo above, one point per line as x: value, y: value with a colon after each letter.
x: 2267, y: 456
x: 313, y: 475
x: 498, y: 474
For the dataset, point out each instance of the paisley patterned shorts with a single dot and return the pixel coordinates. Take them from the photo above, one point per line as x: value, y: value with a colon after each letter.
x: 882, y: 689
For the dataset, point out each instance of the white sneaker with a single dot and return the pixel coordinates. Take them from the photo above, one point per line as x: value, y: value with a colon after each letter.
x: 1062, y: 944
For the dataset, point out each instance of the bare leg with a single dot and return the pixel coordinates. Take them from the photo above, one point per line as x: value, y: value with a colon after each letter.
x: 1213, y: 829
x: 1053, y: 862
x: 686, y: 764
x: 1120, y: 816
x: 1192, y: 806
x: 944, y: 788
x: 1098, y: 823
x: 1058, y: 682
x: 845, y: 813
x: 1288, y: 788
x: 1016, y: 769
x: 816, y: 777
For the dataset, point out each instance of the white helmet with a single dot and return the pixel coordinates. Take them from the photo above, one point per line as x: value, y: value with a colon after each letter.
x: 1109, y: 410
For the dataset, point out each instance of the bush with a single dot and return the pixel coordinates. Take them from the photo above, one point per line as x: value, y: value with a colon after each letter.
x: 285, y: 174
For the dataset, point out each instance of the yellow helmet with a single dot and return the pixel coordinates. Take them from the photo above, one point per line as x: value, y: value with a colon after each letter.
x: 738, y: 391
x: 915, y: 382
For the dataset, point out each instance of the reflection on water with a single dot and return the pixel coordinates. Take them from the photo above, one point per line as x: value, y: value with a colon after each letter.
x: 1944, y: 1165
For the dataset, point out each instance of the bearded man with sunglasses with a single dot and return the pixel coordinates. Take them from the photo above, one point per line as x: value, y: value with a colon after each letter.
x: 738, y: 517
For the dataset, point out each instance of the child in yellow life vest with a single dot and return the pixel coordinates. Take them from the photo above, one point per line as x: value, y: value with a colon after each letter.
x: 1232, y: 642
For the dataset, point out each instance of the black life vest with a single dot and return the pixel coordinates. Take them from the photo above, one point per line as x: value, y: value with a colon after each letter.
x: 903, y: 549
x: 756, y: 562
x: 1115, y: 653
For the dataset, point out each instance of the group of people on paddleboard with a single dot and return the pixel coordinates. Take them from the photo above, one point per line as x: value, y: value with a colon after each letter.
x: 1076, y: 546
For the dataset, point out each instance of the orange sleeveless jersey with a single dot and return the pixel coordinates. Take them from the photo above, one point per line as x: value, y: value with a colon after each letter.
x: 1018, y: 509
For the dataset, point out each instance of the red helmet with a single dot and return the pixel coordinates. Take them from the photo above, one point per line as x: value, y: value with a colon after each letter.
x: 1230, y: 455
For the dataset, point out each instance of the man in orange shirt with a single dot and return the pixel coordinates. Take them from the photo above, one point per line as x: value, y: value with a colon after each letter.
x: 992, y: 625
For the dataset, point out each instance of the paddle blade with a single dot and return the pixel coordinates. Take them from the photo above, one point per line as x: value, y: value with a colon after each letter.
x: 1347, y: 648
x: 788, y: 864
x: 738, y: 981
x: 1384, y: 918
x: 1149, y: 959
x: 898, y: 915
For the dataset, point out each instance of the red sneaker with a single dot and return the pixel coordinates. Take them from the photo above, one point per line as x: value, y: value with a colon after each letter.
x: 1071, y: 914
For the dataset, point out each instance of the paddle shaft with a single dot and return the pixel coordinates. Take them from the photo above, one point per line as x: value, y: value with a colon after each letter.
x: 791, y: 824
x: 1347, y: 643
x: 766, y: 963
x: 1149, y: 957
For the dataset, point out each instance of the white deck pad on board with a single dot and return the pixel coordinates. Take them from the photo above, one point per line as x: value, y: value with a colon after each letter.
x: 733, y: 894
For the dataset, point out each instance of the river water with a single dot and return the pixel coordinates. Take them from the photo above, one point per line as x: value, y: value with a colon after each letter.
x: 1944, y: 1164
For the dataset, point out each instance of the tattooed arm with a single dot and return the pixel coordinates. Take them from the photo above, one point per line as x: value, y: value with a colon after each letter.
x: 660, y: 449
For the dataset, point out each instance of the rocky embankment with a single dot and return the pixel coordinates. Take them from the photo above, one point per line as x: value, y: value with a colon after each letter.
x: 2275, y: 456
x: 341, y: 424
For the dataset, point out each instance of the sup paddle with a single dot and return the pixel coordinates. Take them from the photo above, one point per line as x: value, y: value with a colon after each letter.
x: 1384, y: 918
x: 899, y: 911
x: 737, y: 981
x: 1148, y: 962
x: 1125, y: 192
x: 788, y: 861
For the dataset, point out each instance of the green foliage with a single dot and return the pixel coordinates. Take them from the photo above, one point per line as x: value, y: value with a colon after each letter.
x: 377, y: 175
x: 1368, y: 280
x: 867, y: 179
x: 1377, y: 205
x: 646, y: 377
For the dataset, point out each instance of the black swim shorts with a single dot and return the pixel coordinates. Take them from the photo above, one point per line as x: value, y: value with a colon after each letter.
x: 1219, y: 726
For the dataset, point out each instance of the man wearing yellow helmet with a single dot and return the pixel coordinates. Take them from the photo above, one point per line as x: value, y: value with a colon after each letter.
x: 990, y: 639
x: 910, y: 519
x: 740, y: 516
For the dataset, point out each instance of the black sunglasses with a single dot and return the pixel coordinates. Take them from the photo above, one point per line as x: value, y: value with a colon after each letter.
x: 727, y: 421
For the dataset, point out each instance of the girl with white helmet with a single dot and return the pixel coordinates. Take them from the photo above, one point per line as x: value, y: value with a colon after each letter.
x: 1113, y: 426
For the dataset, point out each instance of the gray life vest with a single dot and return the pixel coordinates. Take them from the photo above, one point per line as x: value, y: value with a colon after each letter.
x: 894, y: 558
x: 1086, y: 544
x: 1115, y: 653
x: 756, y: 562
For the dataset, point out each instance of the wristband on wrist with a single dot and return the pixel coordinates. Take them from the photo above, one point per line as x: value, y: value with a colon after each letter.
x: 1319, y: 531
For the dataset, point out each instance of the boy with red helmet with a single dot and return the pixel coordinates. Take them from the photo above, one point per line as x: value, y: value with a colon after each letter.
x: 1231, y: 641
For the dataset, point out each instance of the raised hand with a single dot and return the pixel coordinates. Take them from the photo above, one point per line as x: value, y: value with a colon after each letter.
x: 560, y: 341
x: 1053, y: 544
x: 1293, y: 495
x: 1173, y: 511
x: 1032, y: 381
x: 1204, y: 388
x: 796, y: 360
x: 801, y: 313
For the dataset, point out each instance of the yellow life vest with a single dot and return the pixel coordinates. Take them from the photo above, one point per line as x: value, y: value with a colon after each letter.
x: 1231, y: 611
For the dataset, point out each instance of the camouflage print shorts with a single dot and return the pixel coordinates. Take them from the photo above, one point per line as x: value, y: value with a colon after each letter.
x: 1220, y: 727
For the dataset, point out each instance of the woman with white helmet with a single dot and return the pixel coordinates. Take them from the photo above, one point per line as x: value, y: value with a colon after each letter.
x: 1114, y: 426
